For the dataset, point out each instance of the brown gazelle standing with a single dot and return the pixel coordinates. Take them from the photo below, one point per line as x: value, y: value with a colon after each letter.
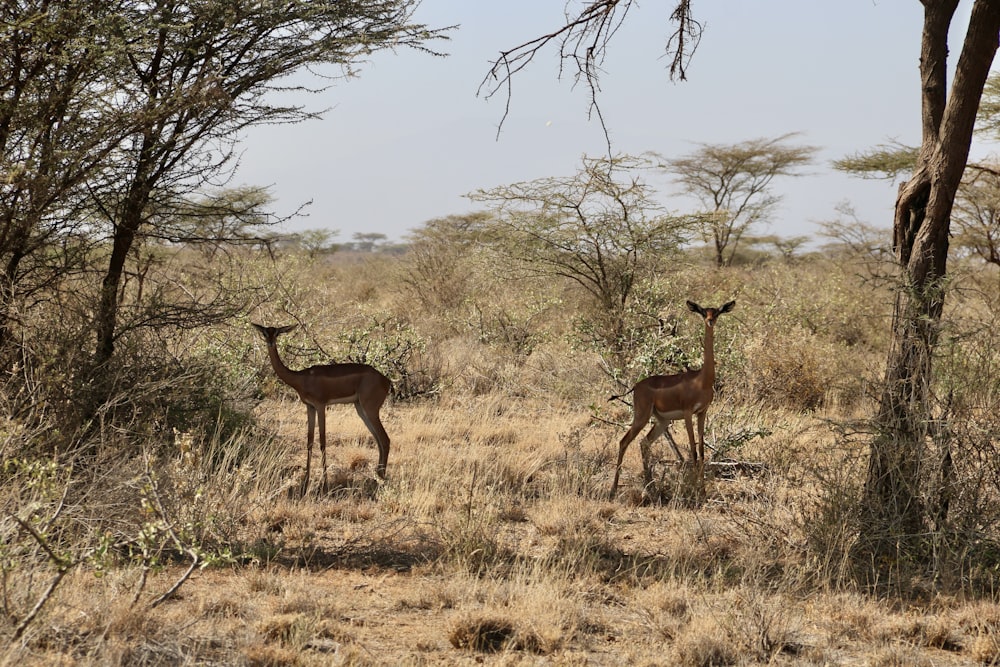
x: 666, y: 398
x: 319, y: 386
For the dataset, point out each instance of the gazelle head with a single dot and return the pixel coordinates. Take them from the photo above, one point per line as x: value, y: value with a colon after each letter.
x: 270, y: 334
x: 711, y: 314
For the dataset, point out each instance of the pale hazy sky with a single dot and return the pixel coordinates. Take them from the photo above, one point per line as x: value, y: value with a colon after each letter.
x: 407, y: 140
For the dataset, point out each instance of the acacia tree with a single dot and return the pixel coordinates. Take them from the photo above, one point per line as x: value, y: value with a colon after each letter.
x: 114, y: 114
x: 895, y: 516
x: 368, y: 241
x: 439, y: 257
x: 977, y: 207
x: 977, y: 213
x: 733, y: 184
x: 200, y: 73
x: 888, y: 161
x: 600, y: 229
x: 898, y: 467
x: 317, y: 242
x: 56, y: 132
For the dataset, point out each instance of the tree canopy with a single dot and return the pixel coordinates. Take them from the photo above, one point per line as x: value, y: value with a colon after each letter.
x: 733, y: 184
x: 115, y: 117
x: 599, y: 228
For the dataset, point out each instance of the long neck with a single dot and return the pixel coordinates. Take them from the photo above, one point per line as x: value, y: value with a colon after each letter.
x: 708, y: 366
x: 284, y: 374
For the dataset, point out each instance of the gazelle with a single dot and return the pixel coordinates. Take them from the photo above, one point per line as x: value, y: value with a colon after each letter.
x: 319, y: 386
x: 666, y: 398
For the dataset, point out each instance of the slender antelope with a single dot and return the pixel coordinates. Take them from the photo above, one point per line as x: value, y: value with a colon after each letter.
x: 319, y: 386
x: 666, y: 398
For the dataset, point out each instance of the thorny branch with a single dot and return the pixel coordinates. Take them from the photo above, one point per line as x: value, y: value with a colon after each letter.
x: 178, y: 543
x: 63, y: 565
x: 583, y: 40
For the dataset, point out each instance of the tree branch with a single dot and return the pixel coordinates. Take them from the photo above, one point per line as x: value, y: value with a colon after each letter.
x: 583, y: 40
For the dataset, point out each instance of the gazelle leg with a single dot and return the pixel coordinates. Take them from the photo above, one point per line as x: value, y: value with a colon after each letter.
x: 310, y: 429
x: 690, y: 429
x: 369, y: 415
x: 644, y: 447
x: 701, y: 435
x: 622, y: 446
x: 642, y: 410
x: 673, y: 443
x: 321, y: 417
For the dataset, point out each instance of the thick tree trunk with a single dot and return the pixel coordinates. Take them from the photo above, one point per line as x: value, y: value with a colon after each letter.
x: 106, y: 322
x: 126, y: 228
x: 895, y: 511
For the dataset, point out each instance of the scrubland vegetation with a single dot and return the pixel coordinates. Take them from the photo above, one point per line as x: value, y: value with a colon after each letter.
x: 166, y: 530
x: 150, y: 458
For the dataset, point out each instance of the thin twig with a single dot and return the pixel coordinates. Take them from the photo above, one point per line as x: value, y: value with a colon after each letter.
x: 63, y: 566
x: 583, y: 40
x: 195, y: 561
x: 26, y: 621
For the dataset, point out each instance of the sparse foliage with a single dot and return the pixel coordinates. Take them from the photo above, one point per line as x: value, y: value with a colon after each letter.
x: 733, y: 183
x: 368, y: 241
x: 889, y: 161
x: 583, y: 41
x: 438, y: 258
x: 988, y: 117
x: 600, y: 229
x: 317, y: 242
x: 977, y: 213
x: 857, y: 241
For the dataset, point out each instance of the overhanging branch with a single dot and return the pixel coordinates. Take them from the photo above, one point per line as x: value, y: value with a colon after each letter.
x: 583, y: 40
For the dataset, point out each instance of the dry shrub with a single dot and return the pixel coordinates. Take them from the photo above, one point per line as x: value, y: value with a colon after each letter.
x: 534, y: 608
x: 980, y: 622
x: 794, y: 370
x: 226, y: 607
x: 283, y: 627
x: 697, y: 551
x: 761, y: 623
x: 741, y: 626
x: 267, y: 581
x: 440, y: 596
x: 491, y: 634
x: 703, y: 643
x: 932, y: 632
x: 270, y: 656
x: 300, y: 630
x: 899, y: 656
x: 985, y: 649
x: 666, y: 608
x: 565, y: 516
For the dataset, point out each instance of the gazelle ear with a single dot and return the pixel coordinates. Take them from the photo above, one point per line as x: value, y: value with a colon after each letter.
x: 729, y: 306
x: 285, y: 329
x: 262, y: 330
x: 695, y: 308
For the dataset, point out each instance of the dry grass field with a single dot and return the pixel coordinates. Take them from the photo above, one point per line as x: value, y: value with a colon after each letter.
x: 492, y: 540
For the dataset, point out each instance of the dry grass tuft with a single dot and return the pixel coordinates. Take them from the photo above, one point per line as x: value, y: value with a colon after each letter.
x: 703, y: 643
x: 492, y: 635
x: 271, y: 656
x: 985, y: 649
x: 899, y: 656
